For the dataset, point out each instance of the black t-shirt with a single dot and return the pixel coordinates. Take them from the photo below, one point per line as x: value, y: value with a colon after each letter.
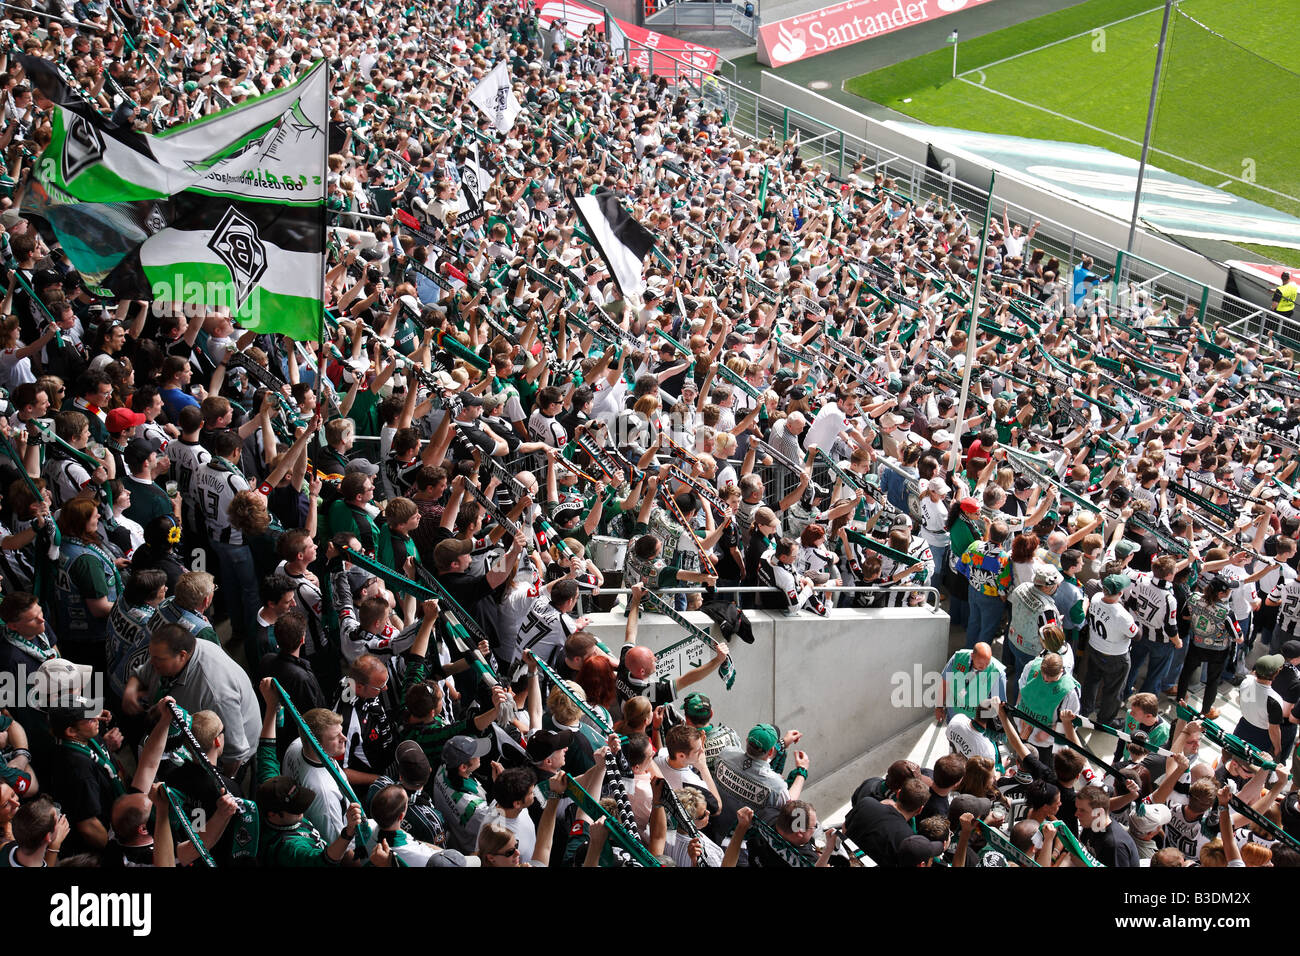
x: 879, y: 830
x: 753, y: 551
x: 84, y: 790
x: 1112, y: 846
x: 1287, y: 683
x: 474, y: 594
x: 727, y: 567
x: 672, y: 385
x: 658, y: 691
x: 1041, y: 771
x: 936, y: 806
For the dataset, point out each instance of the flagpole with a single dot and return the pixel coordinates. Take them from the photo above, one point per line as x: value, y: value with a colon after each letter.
x: 324, y: 238
x: 971, y: 332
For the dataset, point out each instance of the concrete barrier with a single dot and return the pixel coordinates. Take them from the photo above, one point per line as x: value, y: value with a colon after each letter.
x: 827, y: 677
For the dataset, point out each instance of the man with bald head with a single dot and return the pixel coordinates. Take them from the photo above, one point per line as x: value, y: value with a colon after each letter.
x: 636, y: 664
x: 970, y: 677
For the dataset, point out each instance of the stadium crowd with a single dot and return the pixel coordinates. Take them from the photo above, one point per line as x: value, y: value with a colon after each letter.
x: 504, y: 439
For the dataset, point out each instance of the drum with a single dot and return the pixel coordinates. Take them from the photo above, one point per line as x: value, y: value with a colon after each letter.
x: 608, y: 553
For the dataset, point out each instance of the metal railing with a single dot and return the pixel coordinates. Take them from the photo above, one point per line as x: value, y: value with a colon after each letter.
x: 1213, y: 306
x: 931, y: 593
x: 686, y: 68
x: 840, y: 153
x: 704, y: 15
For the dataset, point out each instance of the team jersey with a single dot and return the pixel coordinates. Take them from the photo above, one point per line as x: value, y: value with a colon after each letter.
x: 187, y: 457
x: 1188, y: 836
x: 1111, y: 628
x: 215, y: 485
x: 548, y: 430
x: 1286, y: 594
x: 65, y: 477
x: 1153, y: 605
x: 544, y: 631
x: 310, y: 603
x: 966, y: 739
x: 659, y: 690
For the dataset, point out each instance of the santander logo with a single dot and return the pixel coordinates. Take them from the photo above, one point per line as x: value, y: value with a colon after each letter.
x: 846, y: 23
x: 789, y: 46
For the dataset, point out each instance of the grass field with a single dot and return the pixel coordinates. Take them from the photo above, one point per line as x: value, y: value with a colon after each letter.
x: 1083, y: 75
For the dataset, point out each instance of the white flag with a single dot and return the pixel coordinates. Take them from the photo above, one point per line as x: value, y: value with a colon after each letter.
x: 494, y: 97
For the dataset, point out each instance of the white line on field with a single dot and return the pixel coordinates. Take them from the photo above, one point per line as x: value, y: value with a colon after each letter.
x: 1134, y: 142
x: 1076, y: 36
x: 1222, y: 184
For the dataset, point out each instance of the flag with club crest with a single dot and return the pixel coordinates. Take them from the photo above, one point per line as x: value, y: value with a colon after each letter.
x: 225, y: 212
x: 496, y: 99
x: 474, y: 183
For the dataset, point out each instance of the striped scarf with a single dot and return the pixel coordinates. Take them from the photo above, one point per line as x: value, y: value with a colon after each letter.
x: 623, y: 804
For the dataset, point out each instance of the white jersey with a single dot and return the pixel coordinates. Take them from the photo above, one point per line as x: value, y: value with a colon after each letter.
x: 511, y: 614
x: 187, y: 457
x: 215, y: 487
x: 328, y: 812
x: 1188, y: 836
x: 1110, y: 627
x: 1239, y: 598
x: 966, y: 740
x: 65, y: 478
x: 547, y: 430
x: 934, y: 518
x: 310, y: 603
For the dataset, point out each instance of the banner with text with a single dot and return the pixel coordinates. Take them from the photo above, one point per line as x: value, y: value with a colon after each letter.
x: 644, y: 44
x: 846, y: 23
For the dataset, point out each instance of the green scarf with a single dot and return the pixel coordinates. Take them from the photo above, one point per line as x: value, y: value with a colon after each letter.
x: 40, y: 651
x: 99, y: 756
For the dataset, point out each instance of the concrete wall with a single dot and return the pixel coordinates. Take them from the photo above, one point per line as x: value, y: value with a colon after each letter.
x: 1044, y: 204
x: 827, y: 677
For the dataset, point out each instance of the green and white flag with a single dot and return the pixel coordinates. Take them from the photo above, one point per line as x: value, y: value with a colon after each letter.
x: 226, y: 212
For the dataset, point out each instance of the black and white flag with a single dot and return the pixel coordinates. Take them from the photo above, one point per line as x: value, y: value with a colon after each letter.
x: 494, y: 97
x: 474, y: 182
x: 623, y: 242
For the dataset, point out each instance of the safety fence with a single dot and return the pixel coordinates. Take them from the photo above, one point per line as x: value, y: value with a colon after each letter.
x: 841, y: 154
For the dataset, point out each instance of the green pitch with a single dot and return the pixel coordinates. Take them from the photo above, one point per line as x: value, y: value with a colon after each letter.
x: 1226, y: 113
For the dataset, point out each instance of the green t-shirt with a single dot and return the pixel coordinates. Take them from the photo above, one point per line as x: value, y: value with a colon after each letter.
x: 365, y: 412
x: 359, y: 523
x: 393, y: 549
x: 87, y: 575
x: 148, y: 501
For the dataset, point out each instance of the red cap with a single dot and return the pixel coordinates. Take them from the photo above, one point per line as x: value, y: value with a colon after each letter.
x: 970, y: 506
x: 120, y: 419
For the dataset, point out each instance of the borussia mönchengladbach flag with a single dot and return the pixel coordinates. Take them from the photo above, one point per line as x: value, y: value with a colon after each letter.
x: 225, y: 211
x: 494, y: 97
x: 623, y: 242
